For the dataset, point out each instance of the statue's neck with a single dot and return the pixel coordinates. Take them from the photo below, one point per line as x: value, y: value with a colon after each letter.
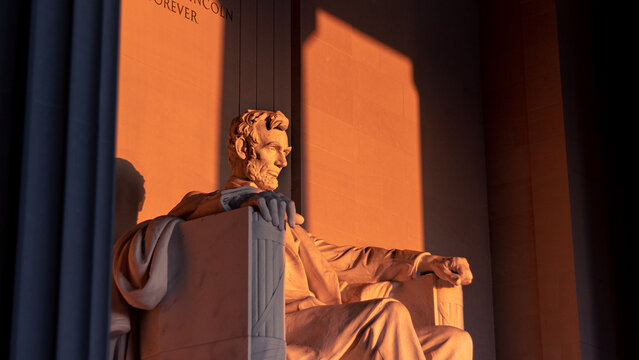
x: 235, y: 181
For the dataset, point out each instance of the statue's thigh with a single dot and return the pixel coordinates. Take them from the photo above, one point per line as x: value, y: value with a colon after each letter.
x: 325, y: 332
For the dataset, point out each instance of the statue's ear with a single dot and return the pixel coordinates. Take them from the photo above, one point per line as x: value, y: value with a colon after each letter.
x: 240, y: 148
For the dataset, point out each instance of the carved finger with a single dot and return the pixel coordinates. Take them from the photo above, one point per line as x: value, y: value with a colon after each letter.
x: 264, y: 209
x: 449, y: 276
x: 282, y: 210
x: 291, y: 214
x: 275, y: 217
x: 460, y: 266
x: 267, y: 195
x: 466, y: 279
x: 281, y: 196
x: 466, y: 275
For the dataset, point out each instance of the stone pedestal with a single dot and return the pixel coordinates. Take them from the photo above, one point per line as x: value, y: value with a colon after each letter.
x: 226, y: 292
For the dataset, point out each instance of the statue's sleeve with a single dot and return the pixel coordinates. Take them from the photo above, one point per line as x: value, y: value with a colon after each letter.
x: 370, y: 264
x: 198, y: 204
x: 140, y: 262
x: 140, y: 268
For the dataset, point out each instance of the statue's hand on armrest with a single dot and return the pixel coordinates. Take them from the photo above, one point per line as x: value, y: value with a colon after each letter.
x: 273, y: 207
x: 455, y: 270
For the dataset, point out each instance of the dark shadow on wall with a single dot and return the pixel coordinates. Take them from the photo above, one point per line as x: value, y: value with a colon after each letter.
x: 129, y: 197
x: 230, y: 85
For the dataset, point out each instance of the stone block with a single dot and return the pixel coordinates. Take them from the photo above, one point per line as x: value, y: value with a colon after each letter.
x: 225, y: 296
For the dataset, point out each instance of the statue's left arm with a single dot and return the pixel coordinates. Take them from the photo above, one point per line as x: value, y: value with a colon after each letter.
x: 372, y: 264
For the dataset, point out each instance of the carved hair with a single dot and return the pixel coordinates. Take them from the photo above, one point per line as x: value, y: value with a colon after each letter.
x: 243, y: 126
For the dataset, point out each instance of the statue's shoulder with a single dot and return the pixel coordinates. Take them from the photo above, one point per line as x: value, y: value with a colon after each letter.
x: 190, y: 203
x: 196, y: 193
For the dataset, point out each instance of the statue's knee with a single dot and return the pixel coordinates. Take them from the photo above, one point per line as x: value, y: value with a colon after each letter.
x: 459, y: 339
x: 395, y: 310
x: 465, y: 339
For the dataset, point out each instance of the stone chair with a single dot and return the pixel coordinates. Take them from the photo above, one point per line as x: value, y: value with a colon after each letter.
x: 225, y: 297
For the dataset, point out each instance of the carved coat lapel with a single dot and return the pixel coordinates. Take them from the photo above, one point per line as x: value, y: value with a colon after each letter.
x: 322, y: 279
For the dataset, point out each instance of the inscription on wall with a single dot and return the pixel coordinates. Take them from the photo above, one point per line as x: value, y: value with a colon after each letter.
x: 194, y: 8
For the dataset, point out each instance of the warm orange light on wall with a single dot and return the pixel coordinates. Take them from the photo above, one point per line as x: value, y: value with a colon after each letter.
x: 361, y: 136
x: 169, y: 98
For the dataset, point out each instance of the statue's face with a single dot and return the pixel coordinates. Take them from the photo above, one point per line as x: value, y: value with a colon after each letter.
x: 270, y: 158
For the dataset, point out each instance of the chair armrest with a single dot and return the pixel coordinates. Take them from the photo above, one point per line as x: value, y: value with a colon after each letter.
x: 225, y: 297
x: 431, y: 301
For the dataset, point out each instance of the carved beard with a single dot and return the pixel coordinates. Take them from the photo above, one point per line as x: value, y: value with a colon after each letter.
x: 258, y: 173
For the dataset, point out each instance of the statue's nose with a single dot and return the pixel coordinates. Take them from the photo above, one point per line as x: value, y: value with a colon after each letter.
x: 281, y: 160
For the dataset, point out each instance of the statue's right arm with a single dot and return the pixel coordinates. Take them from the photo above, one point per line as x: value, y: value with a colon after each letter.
x: 197, y: 204
x: 274, y: 207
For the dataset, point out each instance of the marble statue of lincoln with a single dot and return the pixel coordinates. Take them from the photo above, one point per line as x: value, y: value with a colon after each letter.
x: 338, y: 299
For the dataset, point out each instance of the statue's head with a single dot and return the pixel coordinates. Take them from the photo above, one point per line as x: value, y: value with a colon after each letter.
x: 257, y: 147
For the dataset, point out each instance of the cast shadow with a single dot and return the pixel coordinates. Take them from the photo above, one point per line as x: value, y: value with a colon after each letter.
x: 129, y: 197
